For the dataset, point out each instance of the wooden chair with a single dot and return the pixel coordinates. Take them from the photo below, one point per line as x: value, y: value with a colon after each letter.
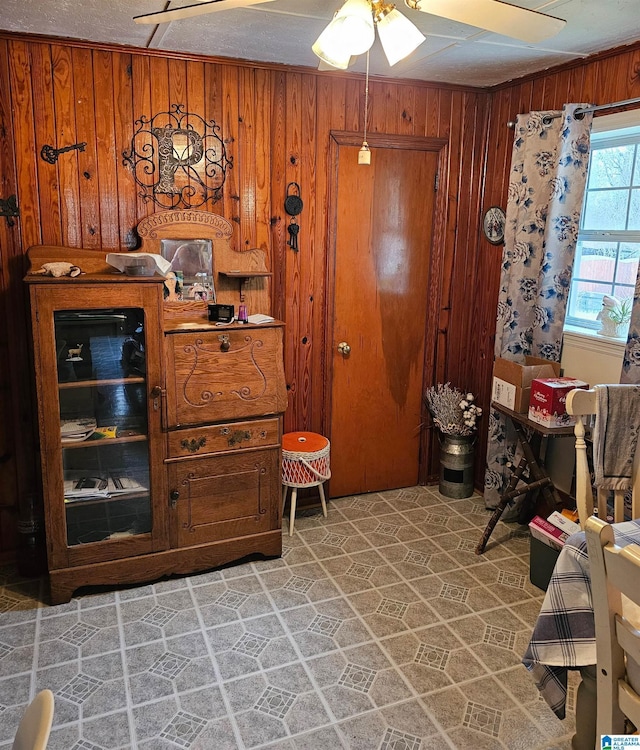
x: 583, y: 404
x: 615, y: 574
x: 35, y: 725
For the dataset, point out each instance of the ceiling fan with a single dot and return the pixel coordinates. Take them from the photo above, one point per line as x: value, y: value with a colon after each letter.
x: 492, y: 15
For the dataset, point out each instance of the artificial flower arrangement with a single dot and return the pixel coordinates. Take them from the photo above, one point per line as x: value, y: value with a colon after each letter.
x: 453, y: 412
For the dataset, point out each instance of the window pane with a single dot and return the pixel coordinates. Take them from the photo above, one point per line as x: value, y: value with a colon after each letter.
x: 586, y: 299
x: 606, y: 209
x: 595, y: 260
x: 611, y: 167
x: 628, y: 263
x: 634, y: 209
x: 636, y: 171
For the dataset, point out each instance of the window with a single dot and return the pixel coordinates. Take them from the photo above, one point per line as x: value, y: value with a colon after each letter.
x: 608, y: 249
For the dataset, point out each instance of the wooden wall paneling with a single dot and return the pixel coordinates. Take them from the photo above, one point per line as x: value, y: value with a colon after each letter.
x: 352, y: 106
x: 189, y: 82
x: 88, y: 177
x: 45, y: 133
x: 447, y: 267
x: 419, y: 113
x: 65, y: 106
x: 212, y: 92
x: 123, y: 115
x: 312, y: 258
x: 443, y: 105
x: 24, y: 143
x: 229, y: 127
x: 402, y: 110
x: 9, y: 247
x: 633, y: 74
x: 294, y: 261
x: 142, y: 107
x: 108, y: 158
x: 329, y: 108
x: 161, y: 98
x: 278, y: 236
x: 247, y: 154
x: 263, y: 155
x: 18, y: 176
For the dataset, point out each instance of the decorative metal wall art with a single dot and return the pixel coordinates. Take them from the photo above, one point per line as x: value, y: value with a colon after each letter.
x: 50, y: 154
x: 178, y: 159
x: 9, y: 209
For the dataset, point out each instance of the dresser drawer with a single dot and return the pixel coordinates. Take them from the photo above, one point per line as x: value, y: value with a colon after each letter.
x: 195, y: 441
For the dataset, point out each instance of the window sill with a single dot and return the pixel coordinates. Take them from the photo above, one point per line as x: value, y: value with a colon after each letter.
x: 589, y: 340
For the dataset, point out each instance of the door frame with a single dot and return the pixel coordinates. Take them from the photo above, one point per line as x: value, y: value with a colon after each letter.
x: 435, y: 350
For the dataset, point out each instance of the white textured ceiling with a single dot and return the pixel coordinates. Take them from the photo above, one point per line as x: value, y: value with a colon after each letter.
x: 284, y: 30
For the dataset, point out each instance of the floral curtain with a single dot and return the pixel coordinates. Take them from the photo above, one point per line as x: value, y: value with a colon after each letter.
x: 546, y: 188
x: 631, y: 360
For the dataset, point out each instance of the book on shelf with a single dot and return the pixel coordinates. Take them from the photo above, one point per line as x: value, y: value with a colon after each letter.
x: 563, y: 523
x: 99, y: 487
x: 258, y: 319
x: 546, y: 532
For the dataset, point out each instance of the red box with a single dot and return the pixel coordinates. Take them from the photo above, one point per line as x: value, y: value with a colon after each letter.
x: 548, y: 403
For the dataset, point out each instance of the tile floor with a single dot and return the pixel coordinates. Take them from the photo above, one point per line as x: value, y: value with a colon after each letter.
x: 378, y: 629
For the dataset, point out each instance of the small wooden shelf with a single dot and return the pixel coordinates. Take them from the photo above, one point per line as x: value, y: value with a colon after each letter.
x: 95, y: 383
x: 134, y: 438
x: 77, y: 502
x: 244, y: 276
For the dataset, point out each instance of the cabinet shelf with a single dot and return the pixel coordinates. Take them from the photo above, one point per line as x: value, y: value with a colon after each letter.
x: 133, y: 438
x: 95, y: 383
x: 79, y: 502
x: 244, y: 276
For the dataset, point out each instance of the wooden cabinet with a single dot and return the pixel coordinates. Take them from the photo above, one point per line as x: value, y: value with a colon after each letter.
x: 160, y: 438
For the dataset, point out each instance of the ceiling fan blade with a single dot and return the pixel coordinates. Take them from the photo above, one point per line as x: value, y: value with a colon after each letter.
x: 199, y: 9
x: 494, y: 15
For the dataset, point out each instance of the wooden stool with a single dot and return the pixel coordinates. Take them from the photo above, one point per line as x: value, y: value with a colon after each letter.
x: 305, y: 463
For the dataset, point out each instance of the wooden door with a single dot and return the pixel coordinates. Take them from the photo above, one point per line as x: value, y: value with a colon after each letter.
x: 384, y: 225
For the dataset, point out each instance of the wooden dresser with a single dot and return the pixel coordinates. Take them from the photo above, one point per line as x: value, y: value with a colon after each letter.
x: 159, y: 431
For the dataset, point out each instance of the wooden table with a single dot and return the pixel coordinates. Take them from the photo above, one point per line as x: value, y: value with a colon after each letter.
x: 530, y: 475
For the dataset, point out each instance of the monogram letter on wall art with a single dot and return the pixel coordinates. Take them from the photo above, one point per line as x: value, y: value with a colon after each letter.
x: 178, y: 159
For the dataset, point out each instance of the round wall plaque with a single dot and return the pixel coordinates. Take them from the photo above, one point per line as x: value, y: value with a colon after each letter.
x: 493, y: 225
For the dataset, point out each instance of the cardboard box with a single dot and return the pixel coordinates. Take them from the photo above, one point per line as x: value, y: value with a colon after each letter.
x: 512, y: 381
x: 548, y: 404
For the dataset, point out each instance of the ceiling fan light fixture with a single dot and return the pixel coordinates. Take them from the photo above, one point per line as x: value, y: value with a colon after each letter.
x: 350, y: 32
x: 398, y: 36
x: 330, y: 52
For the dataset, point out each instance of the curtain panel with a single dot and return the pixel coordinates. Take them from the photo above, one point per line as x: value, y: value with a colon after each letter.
x: 546, y: 188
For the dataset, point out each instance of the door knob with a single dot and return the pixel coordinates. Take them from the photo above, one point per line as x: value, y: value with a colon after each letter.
x: 344, y: 348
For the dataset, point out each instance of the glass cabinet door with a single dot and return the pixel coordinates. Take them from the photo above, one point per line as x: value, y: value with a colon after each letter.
x: 104, y: 431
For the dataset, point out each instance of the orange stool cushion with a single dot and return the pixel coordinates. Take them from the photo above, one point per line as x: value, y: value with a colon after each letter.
x: 299, y: 442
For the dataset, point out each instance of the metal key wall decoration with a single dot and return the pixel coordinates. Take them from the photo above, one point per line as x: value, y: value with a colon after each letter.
x: 50, y: 154
x: 178, y: 159
x: 293, y: 205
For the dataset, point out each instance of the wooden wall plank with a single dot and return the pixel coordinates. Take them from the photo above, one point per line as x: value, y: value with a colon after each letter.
x: 87, y: 160
x: 107, y: 157
x: 21, y: 89
x: 45, y: 134
x: 123, y: 117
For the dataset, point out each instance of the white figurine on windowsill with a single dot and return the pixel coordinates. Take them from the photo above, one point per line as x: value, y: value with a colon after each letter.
x: 613, y: 316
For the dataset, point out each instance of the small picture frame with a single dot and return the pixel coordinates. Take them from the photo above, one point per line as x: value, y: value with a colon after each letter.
x: 493, y: 225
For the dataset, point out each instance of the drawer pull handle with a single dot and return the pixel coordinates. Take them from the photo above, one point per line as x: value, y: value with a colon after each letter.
x: 193, y: 445
x: 174, y: 496
x: 238, y: 437
x: 225, y: 344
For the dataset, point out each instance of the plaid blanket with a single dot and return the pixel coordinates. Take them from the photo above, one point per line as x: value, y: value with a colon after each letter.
x: 564, y: 634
